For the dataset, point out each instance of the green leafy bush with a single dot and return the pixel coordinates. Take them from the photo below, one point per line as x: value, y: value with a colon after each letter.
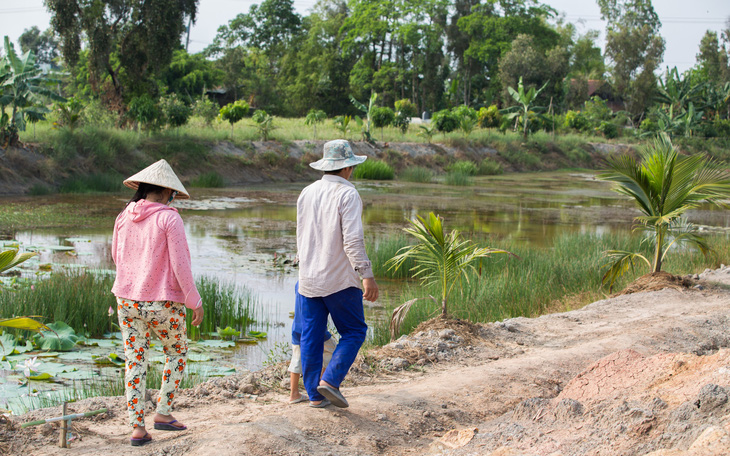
x: 206, y: 109
x: 264, y: 123
x: 144, y: 111
x: 445, y: 121
x: 464, y: 111
x: 382, y: 117
x: 576, y: 120
x: 175, y: 110
x: 233, y: 112
x: 406, y: 108
x: 489, y: 117
x: 596, y: 110
x: 609, y: 129
x: 373, y: 170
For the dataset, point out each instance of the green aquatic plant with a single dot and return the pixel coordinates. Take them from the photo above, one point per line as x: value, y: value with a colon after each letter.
x: 59, y: 337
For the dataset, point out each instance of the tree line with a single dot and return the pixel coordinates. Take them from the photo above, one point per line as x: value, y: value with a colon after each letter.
x: 432, y: 54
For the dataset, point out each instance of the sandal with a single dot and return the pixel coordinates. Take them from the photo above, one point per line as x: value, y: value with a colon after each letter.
x: 169, y: 426
x: 144, y: 440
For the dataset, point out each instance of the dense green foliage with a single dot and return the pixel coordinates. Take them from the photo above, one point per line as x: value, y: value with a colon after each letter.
x: 373, y: 170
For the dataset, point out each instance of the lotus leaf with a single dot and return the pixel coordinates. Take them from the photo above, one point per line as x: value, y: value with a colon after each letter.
x: 198, y: 357
x: 228, y: 332
x: 43, y: 376
x: 112, y: 359
x: 26, y: 323
x: 217, y: 343
x: 61, y: 337
x: 77, y: 375
x: 220, y: 372
x: 257, y: 334
x: 78, y: 239
x: 107, y: 343
x: 60, y: 248
x: 7, y: 345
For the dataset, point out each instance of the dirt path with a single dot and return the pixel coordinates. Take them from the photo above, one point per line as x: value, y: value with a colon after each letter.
x: 646, y: 373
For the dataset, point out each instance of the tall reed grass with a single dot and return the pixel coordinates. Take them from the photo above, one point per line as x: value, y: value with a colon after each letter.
x: 82, y: 301
x: 458, y: 178
x: 565, y: 276
x: 416, y: 174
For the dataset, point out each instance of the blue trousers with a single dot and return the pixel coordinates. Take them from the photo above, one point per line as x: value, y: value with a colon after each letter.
x: 347, y: 313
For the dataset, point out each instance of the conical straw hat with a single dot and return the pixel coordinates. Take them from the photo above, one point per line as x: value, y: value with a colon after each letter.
x: 159, y: 173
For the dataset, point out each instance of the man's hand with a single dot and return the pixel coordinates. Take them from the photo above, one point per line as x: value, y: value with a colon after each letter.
x: 370, y: 290
x: 198, y: 316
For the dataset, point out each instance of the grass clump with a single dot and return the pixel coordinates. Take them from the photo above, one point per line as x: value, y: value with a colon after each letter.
x: 374, y: 170
x: 416, y: 174
x: 458, y: 178
x: 208, y: 180
x: 93, y: 183
x: 490, y: 167
x: 464, y: 167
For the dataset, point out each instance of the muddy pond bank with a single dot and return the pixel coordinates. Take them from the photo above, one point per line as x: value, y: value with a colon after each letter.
x: 50, y: 168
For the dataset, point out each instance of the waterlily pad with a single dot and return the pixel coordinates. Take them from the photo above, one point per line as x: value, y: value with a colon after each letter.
x: 111, y: 359
x: 220, y: 372
x: 54, y: 368
x: 77, y: 375
x: 228, y: 332
x: 217, y: 343
x: 60, y: 248
x: 75, y: 356
x: 77, y: 239
x: 41, y: 376
x: 108, y: 343
x: 61, y: 338
x: 199, y: 357
x: 257, y: 334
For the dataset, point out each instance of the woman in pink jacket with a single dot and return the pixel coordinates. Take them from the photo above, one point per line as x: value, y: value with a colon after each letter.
x: 154, y: 286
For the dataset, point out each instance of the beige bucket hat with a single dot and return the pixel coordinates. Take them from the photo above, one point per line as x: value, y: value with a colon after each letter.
x: 161, y: 174
x: 337, y: 155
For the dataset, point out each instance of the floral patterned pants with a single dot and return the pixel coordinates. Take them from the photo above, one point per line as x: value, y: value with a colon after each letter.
x: 167, y: 320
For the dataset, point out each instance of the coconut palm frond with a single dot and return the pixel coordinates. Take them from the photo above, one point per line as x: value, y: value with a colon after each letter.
x: 11, y: 258
x: 398, y: 317
x: 619, y: 262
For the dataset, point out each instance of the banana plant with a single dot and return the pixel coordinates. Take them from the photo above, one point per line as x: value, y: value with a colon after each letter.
x: 23, y: 88
x: 10, y: 259
x: 525, y: 102
x: 368, y: 111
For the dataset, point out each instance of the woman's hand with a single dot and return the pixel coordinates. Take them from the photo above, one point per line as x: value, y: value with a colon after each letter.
x: 198, y: 315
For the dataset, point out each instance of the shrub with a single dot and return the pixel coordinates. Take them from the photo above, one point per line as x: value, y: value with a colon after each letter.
x: 373, y: 170
x: 596, y: 110
x: 144, y: 111
x: 609, y: 129
x: 405, y: 108
x: 722, y: 127
x: 490, y: 167
x: 489, y: 117
x: 264, y: 123
x: 206, y: 109
x: 233, y: 112
x: 70, y: 113
x: 416, y: 174
x: 98, y: 115
x: 464, y: 167
x: 382, y: 117
x: 92, y: 183
x: 445, y: 121
x: 176, y: 112
x: 648, y: 125
x: 464, y: 111
x: 576, y: 120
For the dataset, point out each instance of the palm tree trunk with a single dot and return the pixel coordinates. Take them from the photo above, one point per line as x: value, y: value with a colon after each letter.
x: 444, y: 311
x: 658, y: 253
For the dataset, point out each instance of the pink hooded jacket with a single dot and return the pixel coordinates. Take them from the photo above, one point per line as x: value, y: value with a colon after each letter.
x: 152, y: 257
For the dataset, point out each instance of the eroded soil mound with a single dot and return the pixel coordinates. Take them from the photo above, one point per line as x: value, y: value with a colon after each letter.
x: 656, y: 281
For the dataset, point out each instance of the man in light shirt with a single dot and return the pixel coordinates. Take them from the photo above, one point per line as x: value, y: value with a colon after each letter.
x: 332, y: 262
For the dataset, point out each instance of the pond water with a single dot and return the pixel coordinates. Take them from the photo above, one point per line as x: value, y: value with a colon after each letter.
x: 234, y: 234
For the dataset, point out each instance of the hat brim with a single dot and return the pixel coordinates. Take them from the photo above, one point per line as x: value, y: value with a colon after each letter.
x: 329, y: 164
x: 181, y: 193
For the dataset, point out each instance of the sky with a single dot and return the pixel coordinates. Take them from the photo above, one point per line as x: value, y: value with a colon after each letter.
x: 683, y: 22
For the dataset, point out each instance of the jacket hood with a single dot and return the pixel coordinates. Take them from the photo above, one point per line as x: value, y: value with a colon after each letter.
x: 142, y: 209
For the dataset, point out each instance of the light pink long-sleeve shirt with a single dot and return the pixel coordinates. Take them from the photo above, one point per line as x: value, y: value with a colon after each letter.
x: 151, y: 252
x: 330, y: 238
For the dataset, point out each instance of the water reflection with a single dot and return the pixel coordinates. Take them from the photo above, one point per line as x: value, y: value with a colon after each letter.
x: 234, y: 233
